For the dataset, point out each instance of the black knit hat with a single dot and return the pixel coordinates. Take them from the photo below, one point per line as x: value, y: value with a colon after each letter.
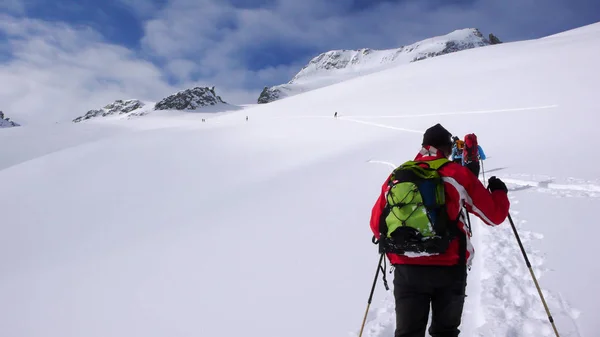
x: 437, y: 136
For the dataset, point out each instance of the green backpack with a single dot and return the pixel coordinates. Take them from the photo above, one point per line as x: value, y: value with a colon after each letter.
x: 414, y: 219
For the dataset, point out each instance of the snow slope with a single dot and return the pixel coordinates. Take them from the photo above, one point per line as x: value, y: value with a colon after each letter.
x: 167, y: 226
x: 339, y: 65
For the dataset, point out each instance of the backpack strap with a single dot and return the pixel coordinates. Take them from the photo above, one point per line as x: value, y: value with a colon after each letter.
x: 462, y: 246
x: 462, y: 237
x: 383, y: 228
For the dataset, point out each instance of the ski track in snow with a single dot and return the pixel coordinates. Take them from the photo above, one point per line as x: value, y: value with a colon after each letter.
x: 384, y: 126
x: 456, y: 113
x: 509, y: 303
x: 380, y: 125
x: 573, y: 188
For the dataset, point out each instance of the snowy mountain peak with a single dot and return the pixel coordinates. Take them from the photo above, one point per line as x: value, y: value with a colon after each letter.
x: 118, y: 107
x: 190, y: 99
x: 6, y: 122
x: 339, y: 65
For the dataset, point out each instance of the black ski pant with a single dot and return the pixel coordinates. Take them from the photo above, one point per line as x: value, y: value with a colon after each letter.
x: 474, y: 167
x: 416, y: 288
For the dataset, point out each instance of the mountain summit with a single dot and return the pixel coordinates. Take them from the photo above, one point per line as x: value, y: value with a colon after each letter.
x: 340, y: 65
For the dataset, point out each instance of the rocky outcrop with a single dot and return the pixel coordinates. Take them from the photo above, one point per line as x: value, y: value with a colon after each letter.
x: 118, y: 107
x: 494, y: 39
x: 190, y: 99
x: 6, y: 122
x: 269, y: 95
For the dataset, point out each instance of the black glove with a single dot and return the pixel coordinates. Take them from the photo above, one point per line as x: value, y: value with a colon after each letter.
x: 495, y: 184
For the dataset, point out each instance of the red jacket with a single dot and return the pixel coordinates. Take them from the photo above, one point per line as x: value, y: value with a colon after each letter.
x: 462, y: 188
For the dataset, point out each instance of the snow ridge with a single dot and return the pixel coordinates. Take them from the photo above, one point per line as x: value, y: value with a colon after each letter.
x: 339, y: 65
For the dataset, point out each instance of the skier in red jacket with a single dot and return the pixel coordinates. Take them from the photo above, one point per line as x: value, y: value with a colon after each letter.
x: 439, y: 280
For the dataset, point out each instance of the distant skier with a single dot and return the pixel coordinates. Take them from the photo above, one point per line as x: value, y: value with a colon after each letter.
x: 472, y: 153
x: 457, y: 150
x: 246, y: 118
x: 335, y: 115
x: 431, y: 254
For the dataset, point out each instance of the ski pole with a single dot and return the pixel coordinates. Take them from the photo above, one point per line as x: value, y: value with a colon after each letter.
x: 371, y: 295
x: 533, y: 275
x: 483, y: 171
x: 468, y: 220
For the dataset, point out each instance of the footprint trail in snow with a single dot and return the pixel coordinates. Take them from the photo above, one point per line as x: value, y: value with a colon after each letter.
x: 509, y: 303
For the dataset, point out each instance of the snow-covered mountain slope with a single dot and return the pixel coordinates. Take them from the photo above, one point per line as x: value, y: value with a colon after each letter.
x: 194, y: 99
x: 6, y: 122
x: 260, y: 227
x: 339, y: 65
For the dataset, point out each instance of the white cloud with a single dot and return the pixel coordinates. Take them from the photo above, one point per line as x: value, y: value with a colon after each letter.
x: 182, y: 69
x: 185, y: 26
x: 57, y: 72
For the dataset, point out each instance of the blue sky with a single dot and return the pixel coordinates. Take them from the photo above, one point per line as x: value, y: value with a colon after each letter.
x: 238, y: 45
x: 113, y: 19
